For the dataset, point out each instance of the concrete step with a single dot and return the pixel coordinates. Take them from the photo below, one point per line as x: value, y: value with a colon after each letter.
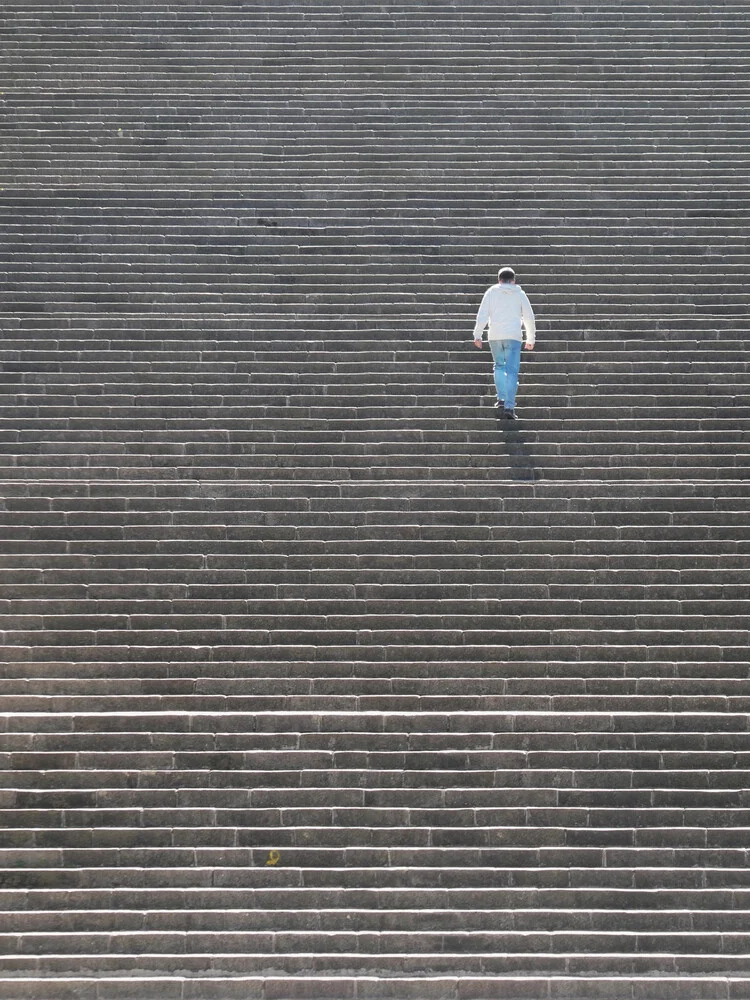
x: 124, y: 946
x: 432, y: 920
x: 449, y: 987
x: 386, y: 965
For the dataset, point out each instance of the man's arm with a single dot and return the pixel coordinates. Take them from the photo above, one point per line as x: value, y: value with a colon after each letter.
x: 483, y: 318
x: 529, y: 321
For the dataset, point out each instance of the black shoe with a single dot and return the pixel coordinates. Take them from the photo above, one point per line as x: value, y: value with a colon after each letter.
x: 500, y: 404
x: 510, y: 415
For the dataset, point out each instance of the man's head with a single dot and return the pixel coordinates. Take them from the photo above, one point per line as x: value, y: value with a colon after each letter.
x: 506, y: 275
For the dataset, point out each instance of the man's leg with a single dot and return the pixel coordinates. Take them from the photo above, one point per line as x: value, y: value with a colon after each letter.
x: 512, y: 354
x: 498, y: 356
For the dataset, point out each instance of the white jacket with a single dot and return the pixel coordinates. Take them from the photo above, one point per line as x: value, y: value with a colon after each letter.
x: 506, y: 308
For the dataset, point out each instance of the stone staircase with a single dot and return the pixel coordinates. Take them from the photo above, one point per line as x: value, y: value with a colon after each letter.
x: 318, y: 680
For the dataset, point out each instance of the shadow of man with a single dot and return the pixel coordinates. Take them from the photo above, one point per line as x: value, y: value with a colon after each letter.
x: 522, y: 460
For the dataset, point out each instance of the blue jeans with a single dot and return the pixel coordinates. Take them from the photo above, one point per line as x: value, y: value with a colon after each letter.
x: 507, y: 357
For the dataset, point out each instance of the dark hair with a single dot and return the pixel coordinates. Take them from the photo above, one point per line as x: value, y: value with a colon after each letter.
x: 506, y: 274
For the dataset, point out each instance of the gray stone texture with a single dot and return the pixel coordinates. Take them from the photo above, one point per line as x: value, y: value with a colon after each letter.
x: 317, y: 680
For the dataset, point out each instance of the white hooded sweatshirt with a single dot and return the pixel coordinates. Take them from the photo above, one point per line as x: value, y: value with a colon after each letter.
x: 506, y: 308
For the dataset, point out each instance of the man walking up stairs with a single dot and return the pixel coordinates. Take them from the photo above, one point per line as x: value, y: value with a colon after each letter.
x: 506, y: 308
